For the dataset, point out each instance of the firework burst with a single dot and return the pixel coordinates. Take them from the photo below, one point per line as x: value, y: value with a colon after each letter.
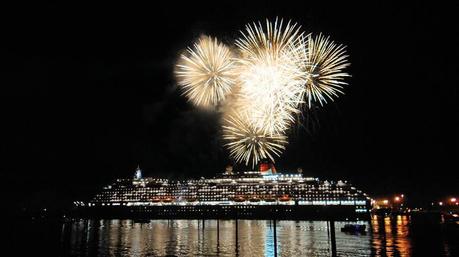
x: 272, y: 85
x: 322, y: 62
x: 206, y: 72
x: 276, y: 70
x: 269, y: 95
x: 248, y: 144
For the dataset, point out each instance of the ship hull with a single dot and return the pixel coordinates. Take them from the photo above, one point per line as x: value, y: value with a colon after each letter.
x: 285, y: 212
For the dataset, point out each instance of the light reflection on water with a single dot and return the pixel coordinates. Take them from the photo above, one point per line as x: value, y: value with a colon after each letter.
x: 384, y: 237
x: 391, y: 236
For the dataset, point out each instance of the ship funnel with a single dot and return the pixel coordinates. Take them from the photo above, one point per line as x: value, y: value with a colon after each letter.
x: 229, y: 170
x: 267, y: 168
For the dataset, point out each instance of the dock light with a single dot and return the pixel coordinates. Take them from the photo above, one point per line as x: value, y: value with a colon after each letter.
x: 453, y: 200
x: 397, y: 198
x: 385, y: 201
x: 440, y: 203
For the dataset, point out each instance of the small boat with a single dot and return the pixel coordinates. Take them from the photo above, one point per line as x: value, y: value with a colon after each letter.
x: 451, y: 217
x: 353, y: 228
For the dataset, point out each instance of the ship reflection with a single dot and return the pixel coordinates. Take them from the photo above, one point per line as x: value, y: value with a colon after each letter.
x: 386, y: 236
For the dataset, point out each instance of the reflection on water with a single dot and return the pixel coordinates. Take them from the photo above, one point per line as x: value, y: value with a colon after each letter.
x: 391, y: 236
x: 385, y: 237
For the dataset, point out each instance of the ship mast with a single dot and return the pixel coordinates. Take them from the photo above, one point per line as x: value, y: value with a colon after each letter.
x: 138, y: 173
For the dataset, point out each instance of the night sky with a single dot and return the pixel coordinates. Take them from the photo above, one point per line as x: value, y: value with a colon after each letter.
x: 88, y: 93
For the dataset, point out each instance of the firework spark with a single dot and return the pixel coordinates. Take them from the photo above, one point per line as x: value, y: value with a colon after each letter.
x: 272, y: 85
x: 269, y: 95
x: 248, y: 144
x: 206, y: 72
x: 323, y: 63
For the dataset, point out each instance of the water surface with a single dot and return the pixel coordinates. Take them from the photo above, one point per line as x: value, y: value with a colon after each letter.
x: 396, y: 236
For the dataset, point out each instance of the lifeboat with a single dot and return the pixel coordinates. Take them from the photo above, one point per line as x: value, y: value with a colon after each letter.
x: 191, y: 199
x: 254, y: 199
x: 239, y: 198
x: 284, y: 198
x: 269, y: 198
x: 167, y: 199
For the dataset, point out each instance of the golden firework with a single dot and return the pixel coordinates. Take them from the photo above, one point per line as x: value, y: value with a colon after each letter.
x: 206, y: 72
x: 248, y: 144
x: 269, y: 40
x: 276, y: 69
x: 323, y: 64
x: 270, y: 80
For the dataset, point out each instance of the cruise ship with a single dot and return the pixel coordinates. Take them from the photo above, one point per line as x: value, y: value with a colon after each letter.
x: 262, y: 194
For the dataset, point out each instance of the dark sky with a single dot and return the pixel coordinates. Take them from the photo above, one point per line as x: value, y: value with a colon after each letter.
x: 88, y: 93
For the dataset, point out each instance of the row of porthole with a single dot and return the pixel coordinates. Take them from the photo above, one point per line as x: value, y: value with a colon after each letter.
x: 117, y: 199
x: 151, y: 194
